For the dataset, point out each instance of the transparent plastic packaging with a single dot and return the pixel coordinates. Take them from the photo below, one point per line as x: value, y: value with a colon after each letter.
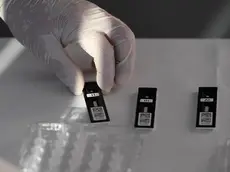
x: 71, y: 146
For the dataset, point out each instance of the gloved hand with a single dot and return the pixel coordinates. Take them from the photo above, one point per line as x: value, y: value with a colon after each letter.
x: 50, y: 28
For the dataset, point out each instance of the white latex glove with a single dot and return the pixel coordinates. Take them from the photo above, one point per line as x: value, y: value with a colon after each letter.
x: 7, y: 167
x: 51, y: 29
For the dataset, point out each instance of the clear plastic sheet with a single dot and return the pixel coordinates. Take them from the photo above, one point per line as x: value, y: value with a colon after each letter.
x: 75, y: 115
x: 73, y: 146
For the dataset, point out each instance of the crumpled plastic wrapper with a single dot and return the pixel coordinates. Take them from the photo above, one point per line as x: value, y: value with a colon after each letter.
x: 74, y: 115
x: 74, y: 145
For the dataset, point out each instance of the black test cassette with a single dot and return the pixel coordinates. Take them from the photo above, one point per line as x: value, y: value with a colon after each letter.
x: 145, y: 110
x: 95, y: 103
x: 206, y: 108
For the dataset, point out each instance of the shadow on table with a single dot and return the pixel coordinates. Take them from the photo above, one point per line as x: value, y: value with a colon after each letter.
x: 219, y: 161
x: 192, y: 115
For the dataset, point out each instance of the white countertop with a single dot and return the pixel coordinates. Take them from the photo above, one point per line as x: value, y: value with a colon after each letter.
x: 30, y: 93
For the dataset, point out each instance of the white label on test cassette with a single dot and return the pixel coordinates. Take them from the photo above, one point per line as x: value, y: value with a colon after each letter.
x: 98, y: 113
x: 92, y: 95
x: 206, y: 100
x: 144, y: 119
x: 206, y: 118
x: 146, y: 100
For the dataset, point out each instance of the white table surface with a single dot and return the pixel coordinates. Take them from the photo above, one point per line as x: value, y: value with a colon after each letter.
x: 30, y: 93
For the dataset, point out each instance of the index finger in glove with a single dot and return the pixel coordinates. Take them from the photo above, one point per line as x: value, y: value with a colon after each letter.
x: 97, y: 46
x: 123, y: 41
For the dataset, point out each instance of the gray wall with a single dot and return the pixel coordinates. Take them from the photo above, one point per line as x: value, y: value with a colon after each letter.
x: 164, y: 18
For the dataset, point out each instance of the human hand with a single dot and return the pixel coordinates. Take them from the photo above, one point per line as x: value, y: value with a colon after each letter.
x: 50, y: 28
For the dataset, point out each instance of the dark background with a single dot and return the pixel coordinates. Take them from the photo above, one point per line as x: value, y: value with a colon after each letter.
x: 160, y: 18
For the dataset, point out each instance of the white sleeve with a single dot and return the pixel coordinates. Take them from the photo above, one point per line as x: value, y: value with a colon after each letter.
x: 1, y: 9
x: 3, y: 6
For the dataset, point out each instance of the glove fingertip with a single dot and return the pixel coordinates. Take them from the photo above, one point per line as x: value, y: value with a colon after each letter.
x: 105, y: 92
x: 77, y: 89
